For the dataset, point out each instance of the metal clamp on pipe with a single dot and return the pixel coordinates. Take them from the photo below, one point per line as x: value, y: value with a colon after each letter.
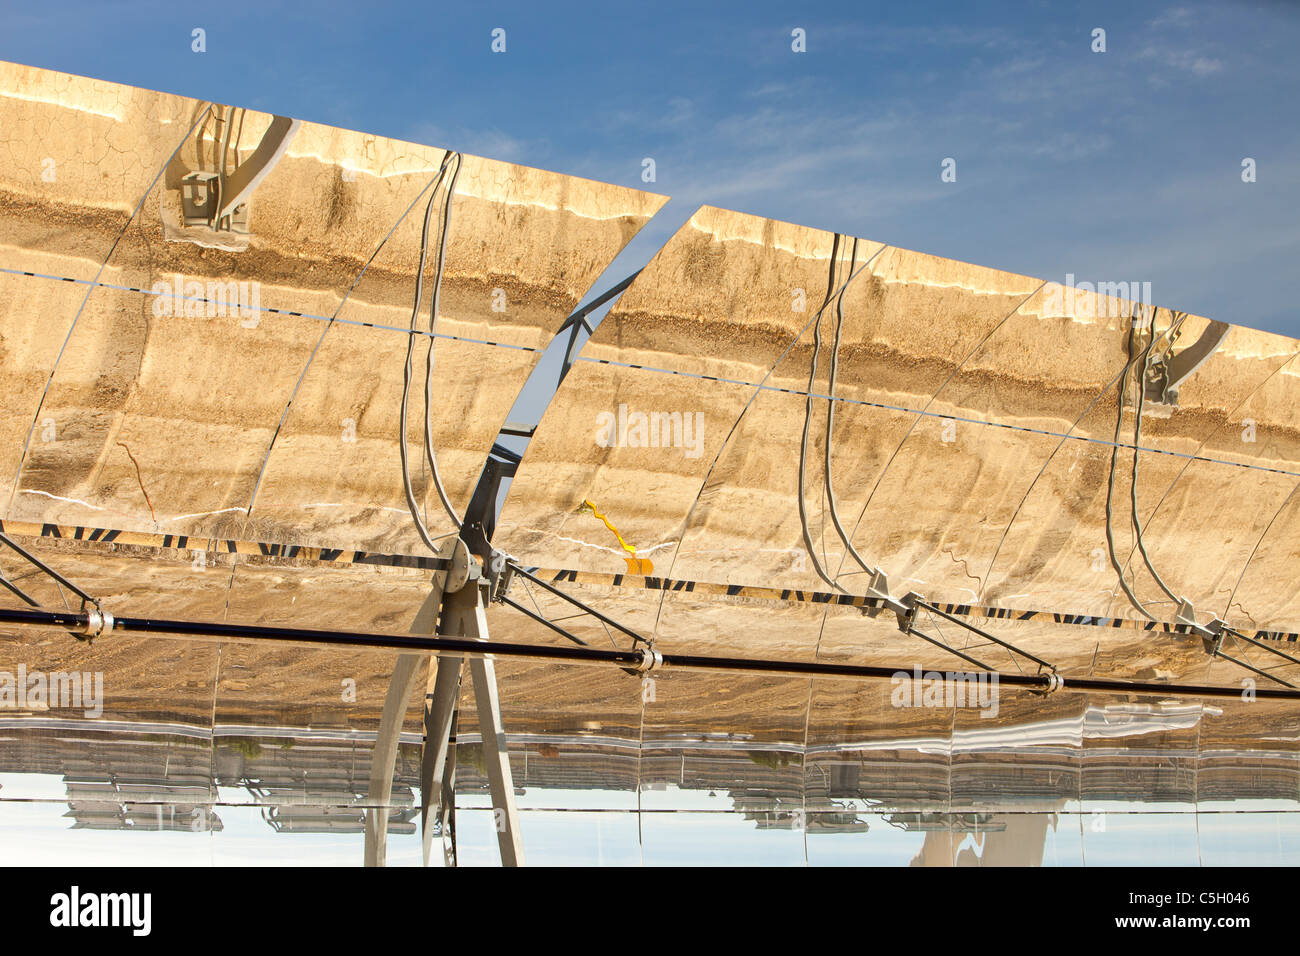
x: 1054, y: 683
x: 651, y: 660
x: 98, y: 621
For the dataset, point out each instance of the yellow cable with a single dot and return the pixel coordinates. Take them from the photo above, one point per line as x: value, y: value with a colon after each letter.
x: 626, y: 547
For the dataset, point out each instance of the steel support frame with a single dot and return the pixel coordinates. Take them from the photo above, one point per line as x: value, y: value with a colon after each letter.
x: 238, y: 187
x: 577, y: 322
x: 459, y: 613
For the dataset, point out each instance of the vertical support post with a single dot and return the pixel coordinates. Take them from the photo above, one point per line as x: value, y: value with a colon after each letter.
x: 441, y: 692
x: 384, y: 756
x: 464, y: 615
x: 442, y: 689
x: 449, y: 797
x: 456, y: 613
x: 496, y: 752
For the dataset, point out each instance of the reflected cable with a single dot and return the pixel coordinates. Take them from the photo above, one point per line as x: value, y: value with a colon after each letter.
x: 1145, y: 366
x: 1114, y: 455
x: 830, y: 423
x: 808, y: 412
x: 407, y: 371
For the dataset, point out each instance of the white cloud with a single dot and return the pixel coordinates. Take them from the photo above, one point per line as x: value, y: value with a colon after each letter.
x: 1188, y: 61
x: 1071, y: 146
x: 1173, y: 17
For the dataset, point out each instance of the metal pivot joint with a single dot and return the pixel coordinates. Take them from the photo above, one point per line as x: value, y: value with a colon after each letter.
x: 461, y: 567
x: 1211, y: 634
x: 904, y: 608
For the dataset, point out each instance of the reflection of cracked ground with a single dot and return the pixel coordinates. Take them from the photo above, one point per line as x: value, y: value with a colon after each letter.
x: 332, y: 249
x: 970, y: 447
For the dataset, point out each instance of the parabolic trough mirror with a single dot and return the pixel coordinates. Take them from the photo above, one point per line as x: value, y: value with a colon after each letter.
x: 822, y: 551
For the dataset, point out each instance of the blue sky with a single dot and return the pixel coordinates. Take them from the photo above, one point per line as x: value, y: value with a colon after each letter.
x: 1123, y: 165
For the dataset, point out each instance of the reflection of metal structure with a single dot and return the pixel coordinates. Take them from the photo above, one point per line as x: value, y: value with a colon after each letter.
x: 219, y: 199
x: 91, y: 814
x: 1169, y: 369
x: 925, y: 822
x: 323, y: 791
x: 325, y: 819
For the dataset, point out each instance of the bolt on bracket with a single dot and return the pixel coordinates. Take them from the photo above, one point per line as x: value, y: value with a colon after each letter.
x: 904, y: 608
x: 1211, y: 634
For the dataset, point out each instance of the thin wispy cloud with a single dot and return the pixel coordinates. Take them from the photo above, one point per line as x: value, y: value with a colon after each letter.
x: 1195, y: 62
x: 483, y: 141
x: 1174, y: 17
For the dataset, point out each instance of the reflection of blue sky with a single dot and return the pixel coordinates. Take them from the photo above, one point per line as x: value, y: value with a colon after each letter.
x: 35, y: 830
x: 38, y: 833
x: 690, y: 825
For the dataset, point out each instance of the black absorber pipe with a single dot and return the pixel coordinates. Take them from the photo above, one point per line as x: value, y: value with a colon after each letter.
x: 639, y: 659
